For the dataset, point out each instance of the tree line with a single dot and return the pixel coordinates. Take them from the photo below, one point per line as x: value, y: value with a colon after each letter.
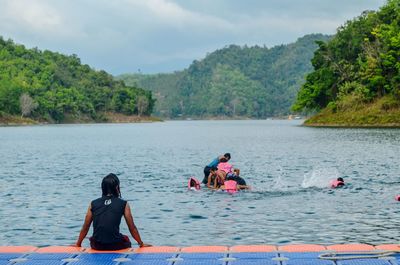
x: 235, y: 81
x: 49, y: 86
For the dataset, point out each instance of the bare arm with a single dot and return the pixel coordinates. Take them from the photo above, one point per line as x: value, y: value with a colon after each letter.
x: 216, y: 182
x: 219, y: 179
x: 132, y: 227
x: 85, y: 227
x: 209, y: 182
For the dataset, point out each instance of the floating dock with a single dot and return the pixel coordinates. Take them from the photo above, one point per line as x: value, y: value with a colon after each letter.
x: 361, y: 254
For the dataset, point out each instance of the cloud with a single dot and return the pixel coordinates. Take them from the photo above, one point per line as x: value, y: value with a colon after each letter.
x: 34, y: 17
x: 166, y: 35
x: 173, y: 15
x: 32, y: 14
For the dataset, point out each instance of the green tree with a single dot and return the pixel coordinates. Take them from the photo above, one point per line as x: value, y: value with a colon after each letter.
x: 61, y: 86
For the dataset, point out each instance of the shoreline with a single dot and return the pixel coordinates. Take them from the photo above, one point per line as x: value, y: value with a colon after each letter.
x: 352, y: 126
x: 116, y: 118
x: 377, y: 114
x: 16, y: 121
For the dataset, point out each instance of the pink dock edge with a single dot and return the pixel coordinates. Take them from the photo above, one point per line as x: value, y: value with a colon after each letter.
x: 208, y: 249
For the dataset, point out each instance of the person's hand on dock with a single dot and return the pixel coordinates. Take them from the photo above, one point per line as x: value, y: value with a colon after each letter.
x: 143, y: 245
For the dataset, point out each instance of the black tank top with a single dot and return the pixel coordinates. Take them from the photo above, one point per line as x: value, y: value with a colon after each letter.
x: 107, y: 212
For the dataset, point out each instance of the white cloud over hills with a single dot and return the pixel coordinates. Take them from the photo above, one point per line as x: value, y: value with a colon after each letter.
x: 160, y: 35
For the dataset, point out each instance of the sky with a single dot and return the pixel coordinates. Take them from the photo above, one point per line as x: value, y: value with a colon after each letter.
x: 152, y: 36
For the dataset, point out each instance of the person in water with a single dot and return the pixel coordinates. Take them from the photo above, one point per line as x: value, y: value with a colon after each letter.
x: 212, y: 177
x: 106, y: 213
x: 242, y: 185
x: 230, y: 186
x: 339, y: 182
x: 224, y: 168
x: 234, y: 182
x: 214, y: 163
x: 236, y: 177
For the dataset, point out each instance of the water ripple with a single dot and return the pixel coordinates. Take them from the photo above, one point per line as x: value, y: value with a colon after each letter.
x: 49, y: 175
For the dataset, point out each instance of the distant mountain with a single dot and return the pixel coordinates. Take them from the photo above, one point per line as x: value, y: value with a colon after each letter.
x: 51, y: 87
x: 253, y: 82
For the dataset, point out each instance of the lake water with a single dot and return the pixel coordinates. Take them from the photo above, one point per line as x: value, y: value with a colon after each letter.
x: 49, y: 175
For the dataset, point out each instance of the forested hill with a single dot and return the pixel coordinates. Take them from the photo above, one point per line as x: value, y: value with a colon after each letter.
x: 235, y: 81
x: 356, y: 81
x: 51, y: 87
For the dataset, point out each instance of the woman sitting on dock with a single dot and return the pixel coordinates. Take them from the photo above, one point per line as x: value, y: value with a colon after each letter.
x: 106, y: 213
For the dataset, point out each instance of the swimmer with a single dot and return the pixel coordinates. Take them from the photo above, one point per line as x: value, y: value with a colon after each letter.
x: 230, y: 186
x: 212, y: 178
x: 240, y: 181
x: 226, y: 157
x: 339, y: 182
x: 224, y: 168
x: 234, y: 182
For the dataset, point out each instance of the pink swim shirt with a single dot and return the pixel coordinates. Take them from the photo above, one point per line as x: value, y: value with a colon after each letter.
x: 225, y: 166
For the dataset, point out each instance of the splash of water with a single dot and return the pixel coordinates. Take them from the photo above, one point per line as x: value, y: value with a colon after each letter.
x: 278, y: 182
x: 320, y: 177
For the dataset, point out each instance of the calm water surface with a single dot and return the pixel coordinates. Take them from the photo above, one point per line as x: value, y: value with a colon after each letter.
x: 49, y: 175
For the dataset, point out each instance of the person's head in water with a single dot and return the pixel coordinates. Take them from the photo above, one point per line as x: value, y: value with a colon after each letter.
x: 339, y: 182
x: 236, y: 171
x: 110, y: 185
x: 227, y: 156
